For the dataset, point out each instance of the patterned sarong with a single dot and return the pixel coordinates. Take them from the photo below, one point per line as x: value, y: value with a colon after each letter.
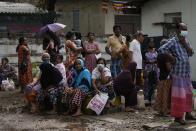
x: 163, y: 98
x: 73, y: 98
x: 181, y: 100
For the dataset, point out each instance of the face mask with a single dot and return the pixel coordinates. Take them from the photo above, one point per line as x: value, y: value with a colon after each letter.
x: 100, y: 66
x: 74, y: 37
x: 46, y: 60
x: 184, y: 33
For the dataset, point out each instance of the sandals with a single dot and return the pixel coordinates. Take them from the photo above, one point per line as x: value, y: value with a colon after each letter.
x: 76, y: 115
x: 180, y: 121
x: 129, y: 109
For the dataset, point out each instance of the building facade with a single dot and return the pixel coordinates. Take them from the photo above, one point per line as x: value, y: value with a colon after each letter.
x: 159, y: 16
x: 85, y: 16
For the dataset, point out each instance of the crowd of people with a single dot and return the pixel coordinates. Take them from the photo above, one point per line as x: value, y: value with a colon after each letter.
x: 63, y: 85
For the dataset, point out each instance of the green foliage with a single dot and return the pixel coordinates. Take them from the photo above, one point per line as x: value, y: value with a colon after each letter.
x: 35, y: 70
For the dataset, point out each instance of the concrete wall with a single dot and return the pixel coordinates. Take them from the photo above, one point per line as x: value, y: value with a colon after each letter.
x: 8, y: 49
x: 109, y: 20
x: 154, y: 11
x: 92, y: 19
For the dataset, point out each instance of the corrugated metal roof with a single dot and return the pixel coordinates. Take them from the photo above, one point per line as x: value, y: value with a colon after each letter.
x: 10, y: 7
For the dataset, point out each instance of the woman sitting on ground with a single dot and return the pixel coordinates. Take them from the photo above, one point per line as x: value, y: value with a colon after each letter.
x: 124, y: 83
x: 80, y: 87
x: 51, y: 81
x: 50, y: 84
x: 102, y: 78
x: 8, y: 71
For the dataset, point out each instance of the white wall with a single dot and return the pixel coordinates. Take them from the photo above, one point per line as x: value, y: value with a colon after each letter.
x: 109, y: 20
x: 154, y: 11
x: 8, y: 49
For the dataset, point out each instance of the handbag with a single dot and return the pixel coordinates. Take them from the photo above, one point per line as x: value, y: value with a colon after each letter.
x: 24, y: 64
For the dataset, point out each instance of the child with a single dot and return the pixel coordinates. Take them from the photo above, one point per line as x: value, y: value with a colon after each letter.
x: 163, y: 99
x: 61, y: 67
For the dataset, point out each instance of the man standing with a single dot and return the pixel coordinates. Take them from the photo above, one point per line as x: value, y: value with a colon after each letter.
x: 115, y: 42
x: 181, y: 97
x: 135, y: 49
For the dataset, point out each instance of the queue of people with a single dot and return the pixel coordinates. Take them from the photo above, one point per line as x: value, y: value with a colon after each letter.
x: 63, y: 85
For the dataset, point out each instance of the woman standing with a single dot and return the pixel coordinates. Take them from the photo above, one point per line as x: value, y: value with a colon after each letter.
x: 150, y: 71
x: 24, y: 63
x: 72, y: 50
x: 50, y: 49
x: 91, y: 48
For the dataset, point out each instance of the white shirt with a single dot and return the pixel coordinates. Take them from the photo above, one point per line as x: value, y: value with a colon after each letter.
x: 97, y: 75
x: 61, y: 68
x: 135, y: 47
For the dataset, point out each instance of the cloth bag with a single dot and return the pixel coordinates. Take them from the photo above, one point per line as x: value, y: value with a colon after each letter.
x: 98, y: 102
x: 23, y: 66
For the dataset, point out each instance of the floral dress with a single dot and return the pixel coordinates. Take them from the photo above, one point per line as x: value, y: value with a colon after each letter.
x: 151, y: 74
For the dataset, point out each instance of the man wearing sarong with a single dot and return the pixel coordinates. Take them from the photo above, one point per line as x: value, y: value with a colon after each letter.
x: 115, y: 42
x: 181, y: 96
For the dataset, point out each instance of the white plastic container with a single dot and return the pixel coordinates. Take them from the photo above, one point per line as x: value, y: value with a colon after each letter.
x: 140, y: 100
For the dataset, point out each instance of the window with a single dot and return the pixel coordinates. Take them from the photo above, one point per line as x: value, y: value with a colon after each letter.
x: 170, y: 20
x: 76, y: 20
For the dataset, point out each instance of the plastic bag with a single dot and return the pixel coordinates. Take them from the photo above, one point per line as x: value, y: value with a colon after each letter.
x: 11, y: 85
x: 98, y: 56
x: 117, y: 101
x: 4, y: 85
x: 7, y: 85
x: 98, y: 102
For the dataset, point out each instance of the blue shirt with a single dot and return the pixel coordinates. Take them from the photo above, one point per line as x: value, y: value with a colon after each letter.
x: 182, y: 66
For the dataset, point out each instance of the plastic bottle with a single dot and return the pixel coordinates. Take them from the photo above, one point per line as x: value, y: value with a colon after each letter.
x: 140, y: 100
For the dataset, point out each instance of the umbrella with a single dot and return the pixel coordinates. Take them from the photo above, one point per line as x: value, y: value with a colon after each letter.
x: 52, y: 27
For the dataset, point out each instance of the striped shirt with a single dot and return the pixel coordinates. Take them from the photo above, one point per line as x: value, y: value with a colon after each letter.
x: 182, y: 66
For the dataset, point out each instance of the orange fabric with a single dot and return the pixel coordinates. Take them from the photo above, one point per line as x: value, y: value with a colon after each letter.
x: 26, y: 77
x: 71, y: 55
x: 31, y: 98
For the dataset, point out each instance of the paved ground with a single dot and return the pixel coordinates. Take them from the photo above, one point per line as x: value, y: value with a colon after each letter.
x: 13, y: 118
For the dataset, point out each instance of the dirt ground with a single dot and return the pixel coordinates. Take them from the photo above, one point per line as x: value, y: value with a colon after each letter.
x: 13, y: 117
